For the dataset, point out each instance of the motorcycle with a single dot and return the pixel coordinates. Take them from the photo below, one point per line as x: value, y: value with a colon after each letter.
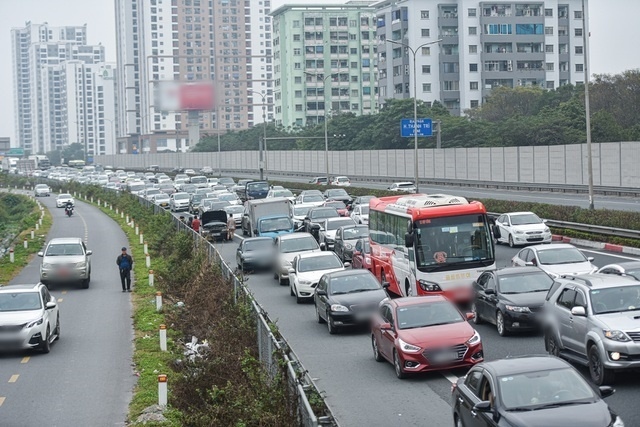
x: 68, y: 211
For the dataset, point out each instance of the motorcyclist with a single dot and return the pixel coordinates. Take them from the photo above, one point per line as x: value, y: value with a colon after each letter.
x: 68, y: 208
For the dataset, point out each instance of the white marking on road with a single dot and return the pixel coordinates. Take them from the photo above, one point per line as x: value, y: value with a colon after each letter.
x: 86, y: 228
x: 63, y: 292
x: 25, y: 359
x: 609, y: 254
x: 448, y: 375
x: 14, y: 378
x: 60, y: 299
x: 2, y: 400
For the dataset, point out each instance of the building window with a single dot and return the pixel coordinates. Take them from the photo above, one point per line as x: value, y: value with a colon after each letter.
x: 296, y: 37
x: 473, y: 85
x: 578, y: 32
x: 296, y: 65
x: 548, y: 31
x: 298, y: 80
x: 424, y: 14
x: 475, y: 103
x: 425, y: 32
x: 426, y: 69
x: 298, y: 94
x: 548, y: 12
x: 551, y: 85
x: 577, y: 14
x: 296, y: 24
x: 472, y: 12
x: 579, y: 50
x: 296, y: 51
x: 473, y: 31
x: 473, y: 67
x: 473, y: 48
x: 426, y: 50
x: 548, y: 48
x: 298, y: 107
x: 426, y: 87
x: 549, y: 66
x: 579, y: 68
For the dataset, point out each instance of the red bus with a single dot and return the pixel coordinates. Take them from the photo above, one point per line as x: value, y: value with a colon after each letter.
x: 430, y: 244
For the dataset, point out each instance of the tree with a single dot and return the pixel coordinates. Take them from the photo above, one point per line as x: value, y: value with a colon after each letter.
x: 73, y: 151
x: 54, y: 157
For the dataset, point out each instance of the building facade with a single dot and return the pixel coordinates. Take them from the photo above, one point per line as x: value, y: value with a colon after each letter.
x: 477, y: 46
x: 225, y: 43
x: 325, y: 62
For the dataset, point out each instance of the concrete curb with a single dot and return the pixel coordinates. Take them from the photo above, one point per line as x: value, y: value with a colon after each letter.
x: 597, y: 245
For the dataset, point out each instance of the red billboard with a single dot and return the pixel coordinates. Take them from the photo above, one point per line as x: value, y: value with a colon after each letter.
x: 185, y: 96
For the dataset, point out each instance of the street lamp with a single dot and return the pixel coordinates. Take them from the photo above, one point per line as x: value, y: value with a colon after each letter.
x: 585, y: 40
x: 415, y: 104
x: 326, y: 134
x: 264, y: 128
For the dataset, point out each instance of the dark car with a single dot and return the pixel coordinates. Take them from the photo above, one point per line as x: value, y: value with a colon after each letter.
x: 214, y: 225
x: 194, y: 202
x: 337, y: 194
x: 177, y: 170
x: 347, y: 298
x: 256, y: 253
x: 529, y: 391
x: 360, y: 200
x: 346, y: 238
x: 361, y: 256
x: 315, y: 216
x: 511, y: 298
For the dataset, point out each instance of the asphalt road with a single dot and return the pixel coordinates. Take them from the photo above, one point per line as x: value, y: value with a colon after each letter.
x: 87, y: 379
x: 363, y: 392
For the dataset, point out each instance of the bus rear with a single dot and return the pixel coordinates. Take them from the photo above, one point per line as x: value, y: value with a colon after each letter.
x: 430, y: 244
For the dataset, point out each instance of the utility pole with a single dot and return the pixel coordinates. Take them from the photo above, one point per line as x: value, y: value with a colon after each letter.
x: 585, y: 39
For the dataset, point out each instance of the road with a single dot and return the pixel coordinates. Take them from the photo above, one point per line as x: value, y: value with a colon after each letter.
x: 555, y: 198
x: 88, y: 378
x: 363, y: 392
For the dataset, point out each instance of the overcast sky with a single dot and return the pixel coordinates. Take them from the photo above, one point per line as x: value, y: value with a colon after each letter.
x: 614, y: 27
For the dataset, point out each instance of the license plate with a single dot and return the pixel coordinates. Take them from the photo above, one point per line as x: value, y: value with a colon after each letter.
x: 363, y: 316
x: 63, y: 272
x: 445, y: 357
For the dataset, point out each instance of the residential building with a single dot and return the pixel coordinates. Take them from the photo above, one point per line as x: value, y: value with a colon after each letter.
x: 226, y: 43
x: 5, y: 144
x: 483, y: 45
x: 324, y: 61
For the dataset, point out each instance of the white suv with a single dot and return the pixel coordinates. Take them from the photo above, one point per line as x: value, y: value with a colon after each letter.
x: 65, y: 260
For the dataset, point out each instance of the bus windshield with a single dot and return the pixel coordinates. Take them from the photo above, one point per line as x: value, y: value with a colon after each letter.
x: 448, y: 243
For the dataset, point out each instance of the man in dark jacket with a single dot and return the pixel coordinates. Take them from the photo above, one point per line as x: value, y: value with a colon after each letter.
x: 125, y: 264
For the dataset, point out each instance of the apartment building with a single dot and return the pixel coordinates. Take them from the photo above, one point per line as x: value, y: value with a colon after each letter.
x: 48, y: 112
x: 465, y: 48
x: 226, y: 43
x: 325, y: 61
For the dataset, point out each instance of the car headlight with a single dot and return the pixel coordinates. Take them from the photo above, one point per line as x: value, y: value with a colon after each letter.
x: 429, y: 286
x: 517, y: 309
x: 546, y: 230
x: 518, y: 232
x: 46, y: 265
x: 82, y: 264
x: 475, y: 339
x: 305, y: 282
x: 35, y: 323
x: 338, y: 307
x: 286, y: 263
x: 617, y: 422
x: 616, y: 335
x: 408, y: 348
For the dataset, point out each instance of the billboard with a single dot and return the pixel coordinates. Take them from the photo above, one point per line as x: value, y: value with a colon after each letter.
x: 184, y: 96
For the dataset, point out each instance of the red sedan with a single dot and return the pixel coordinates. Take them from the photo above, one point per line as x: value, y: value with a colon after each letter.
x: 340, y: 207
x: 427, y: 333
x: 361, y: 257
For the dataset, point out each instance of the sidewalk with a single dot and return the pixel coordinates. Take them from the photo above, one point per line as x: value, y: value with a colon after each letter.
x: 597, y: 245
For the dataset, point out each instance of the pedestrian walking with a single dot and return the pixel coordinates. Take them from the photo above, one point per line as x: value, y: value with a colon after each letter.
x: 125, y: 264
x: 195, y: 224
x: 190, y: 221
x: 231, y: 227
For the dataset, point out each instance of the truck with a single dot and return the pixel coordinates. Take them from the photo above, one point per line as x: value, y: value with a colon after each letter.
x: 42, y: 162
x: 9, y: 164
x: 26, y: 166
x: 253, y: 190
x: 267, y: 217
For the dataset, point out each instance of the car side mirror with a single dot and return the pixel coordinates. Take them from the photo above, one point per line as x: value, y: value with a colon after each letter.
x: 50, y: 305
x: 490, y: 291
x: 408, y: 240
x: 89, y: 252
x: 321, y: 292
x: 484, y: 406
x: 347, y: 264
x: 606, y: 391
x: 590, y: 259
x: 385, y: 326
x: 470, y: 316
x: 323, y: 247
x: 530, y: 263
x: 292, y: 271
x: 496, y: 231
x: 386, y: 285
x: 578, y: 311
x: 40, y: 253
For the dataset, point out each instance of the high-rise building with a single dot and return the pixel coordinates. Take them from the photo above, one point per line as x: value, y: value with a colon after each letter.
x: 226, y: 43
x: 59, y: 94
x: 479, y: 45
x: 325, y: 61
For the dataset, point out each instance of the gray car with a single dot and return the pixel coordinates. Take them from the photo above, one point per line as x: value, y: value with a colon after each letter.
x: 592, y: 320
x: 65, y: 260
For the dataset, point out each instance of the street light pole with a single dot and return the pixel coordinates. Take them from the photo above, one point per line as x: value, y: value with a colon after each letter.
x: 585, y: 39
x: 415, y: 105
x: 326, y: 134
x: 264, y: 129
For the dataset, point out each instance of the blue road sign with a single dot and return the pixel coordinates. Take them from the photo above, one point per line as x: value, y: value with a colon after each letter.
x: 424, y: 127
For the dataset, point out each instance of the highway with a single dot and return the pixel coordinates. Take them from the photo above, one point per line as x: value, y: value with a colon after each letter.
x: 361, y: 391
x: 87, y: 379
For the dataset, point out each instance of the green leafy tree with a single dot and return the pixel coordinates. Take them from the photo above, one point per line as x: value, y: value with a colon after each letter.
x: 73, y: 151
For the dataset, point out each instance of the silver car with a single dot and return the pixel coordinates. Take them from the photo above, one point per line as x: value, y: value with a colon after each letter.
x: 556, y: 260
x: 65, y: 260
x: 29, y: 318
x: 41, y: 190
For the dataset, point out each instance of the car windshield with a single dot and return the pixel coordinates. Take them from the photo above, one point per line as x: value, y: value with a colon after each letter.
x: 64, y: 196
x: 427, y: 314
x: 615, y: 300
x: 276, y: 224
x: 302, y: 211
x: 180, y: 196
x: 324, y: 213
x: 525, y: 219
x: 161, y: 196
x: 353, y: 233
x: 337, y: 193
x: 258, y: 186
x: 523, y: 283
x: 447, y: 243
x: 256, y: 245
x: 325, y: 262
x: 235, y: 209
x: 137, y: 187
x: 226, y: 181
x: 298, y: 244
x: 535, y: 390
x: 353, y: 283
x: 311, y: 198
x: 282, y: 193
x: 42, y: 186
x: 334, y: 225
x: 195, y: 199
x: 152, y: 192
x: 20, y: 301
x: 198, y: 180
x: 227, y: 197
x: 364, y: 210
x: 560, y: 256
x: 337, y: 205
x: 165, y: 186
x: 64, y: 249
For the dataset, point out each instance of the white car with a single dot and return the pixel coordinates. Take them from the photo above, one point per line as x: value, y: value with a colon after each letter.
x: 232, y: 198
x: 306, y: 271
x: 179, y: 202
x: 520, y: 228
x: 189, y: 172
x: 360, y: 214
x: 299, y: 213
x: 41, y: 190
x: 341, y: 181
x: 62, y: 200
x: 29, y: 317
x: 328, y: 229
x: 310, y: 197
x: 556, y: 260
x: 237, y: 211
x: 281, y: 192
x: 405, y: 187
x: 287, y: 247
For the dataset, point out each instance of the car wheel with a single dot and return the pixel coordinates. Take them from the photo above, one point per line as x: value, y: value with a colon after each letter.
x: 397, y: 366
x: 599, y: 374
x: 282, y: 281
x: 376, y: 352
x: 476, y: 317
x: 85, y: 282
x: 458, y: 421
x: 551, y: 344
x: 511, y: 244
x: 291, y: 292
x: 45, y: 345
x: 331, y: 326
x: 319, y: 318
x: 57, y: 328
x: 500, y: 326
x: 299, y: 300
